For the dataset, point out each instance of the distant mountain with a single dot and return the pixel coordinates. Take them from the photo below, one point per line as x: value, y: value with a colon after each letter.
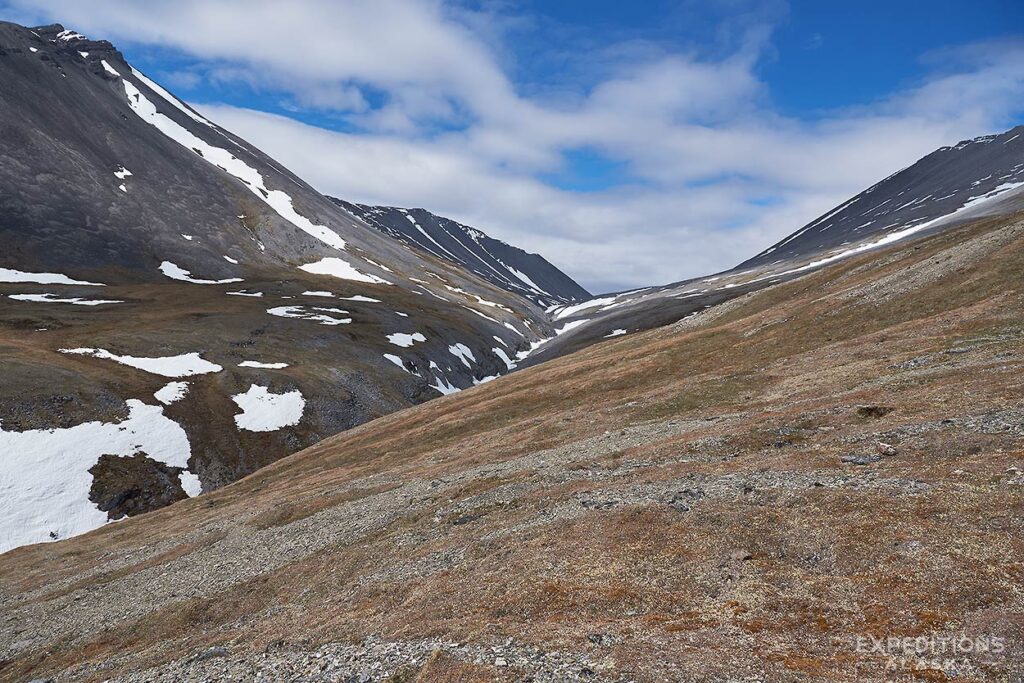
x: 506, y: 266
x: 950, y: 186
x: 948, y: 180
x: 177, y: 309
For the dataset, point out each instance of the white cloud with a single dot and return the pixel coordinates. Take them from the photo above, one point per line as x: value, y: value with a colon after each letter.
x: 698, y: 134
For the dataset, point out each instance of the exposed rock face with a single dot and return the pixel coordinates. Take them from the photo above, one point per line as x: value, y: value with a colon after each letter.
x: 125, y: 486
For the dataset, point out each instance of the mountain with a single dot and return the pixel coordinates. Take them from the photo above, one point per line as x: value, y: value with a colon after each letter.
x: 946, y: 183
x: 177, y: 309
x: 510, y: 268
x: 951, y: 186
x: 762, y: 492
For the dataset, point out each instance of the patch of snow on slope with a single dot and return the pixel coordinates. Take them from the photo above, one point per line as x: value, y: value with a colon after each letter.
x: 615, y: 333
x: 54, y: 299
x: 252, y: 179
x: 463, y: 353
x: 171, y: 99
x: 121, y: 173
x: 396, y: 360
x: 185, y: 365
x: 175, y: 391
x: 525, y: 278
x: 45, y: 479
x: 441, y: 382
x: 302, y: 314
x: 263, y: 411
x: 313, y: 293
x: 406, y: 340
x: 500, y: 353
x: 570, y: 326
x: 257, y: 364
x: 109, y: 69
x: 11, y: 275
x: 360, y: 297
x: 177, y: 273
x: 245, y: 293
x: 336, y: 267
x: 569, y: 311
x: 894, y: 236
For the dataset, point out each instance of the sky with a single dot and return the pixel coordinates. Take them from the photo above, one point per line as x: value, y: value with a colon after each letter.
x: 629, y: 143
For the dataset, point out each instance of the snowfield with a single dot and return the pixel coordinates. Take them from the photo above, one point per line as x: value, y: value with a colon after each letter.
x: 45, y: 479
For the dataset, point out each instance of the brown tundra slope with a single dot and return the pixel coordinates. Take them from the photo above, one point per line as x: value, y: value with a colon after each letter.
x: 739, y: 496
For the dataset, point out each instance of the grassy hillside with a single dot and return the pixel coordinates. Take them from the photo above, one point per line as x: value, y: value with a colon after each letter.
x: 741, y: 495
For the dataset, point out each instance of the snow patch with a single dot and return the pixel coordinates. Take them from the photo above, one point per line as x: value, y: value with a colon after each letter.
x: 570, y: 326
x: 177, y: 273
x: 463, y: 353
x: 54, y: 299
x: 45, y: 479
x: 185, y: 365
x: 175, y: 391
x: 396, y: 360
x: 569, y: 311
x: 263, y: 411
x: 406, y: 340
x: 11, y: 275
x: 336, y: 267
x: 301, y: 313
x: 500, y: 353
x: 257, y: 364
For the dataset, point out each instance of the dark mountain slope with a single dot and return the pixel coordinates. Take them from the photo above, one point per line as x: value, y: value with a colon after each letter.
x: 508, y: 267
x: 937, y: 185
x: 168, y: 290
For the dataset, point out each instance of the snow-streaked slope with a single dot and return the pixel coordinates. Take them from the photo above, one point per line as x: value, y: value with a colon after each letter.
x: 942, y: 183
x: 504, y: 265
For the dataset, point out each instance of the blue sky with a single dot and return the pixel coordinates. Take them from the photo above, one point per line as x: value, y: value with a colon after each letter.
x: 630, y: 143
